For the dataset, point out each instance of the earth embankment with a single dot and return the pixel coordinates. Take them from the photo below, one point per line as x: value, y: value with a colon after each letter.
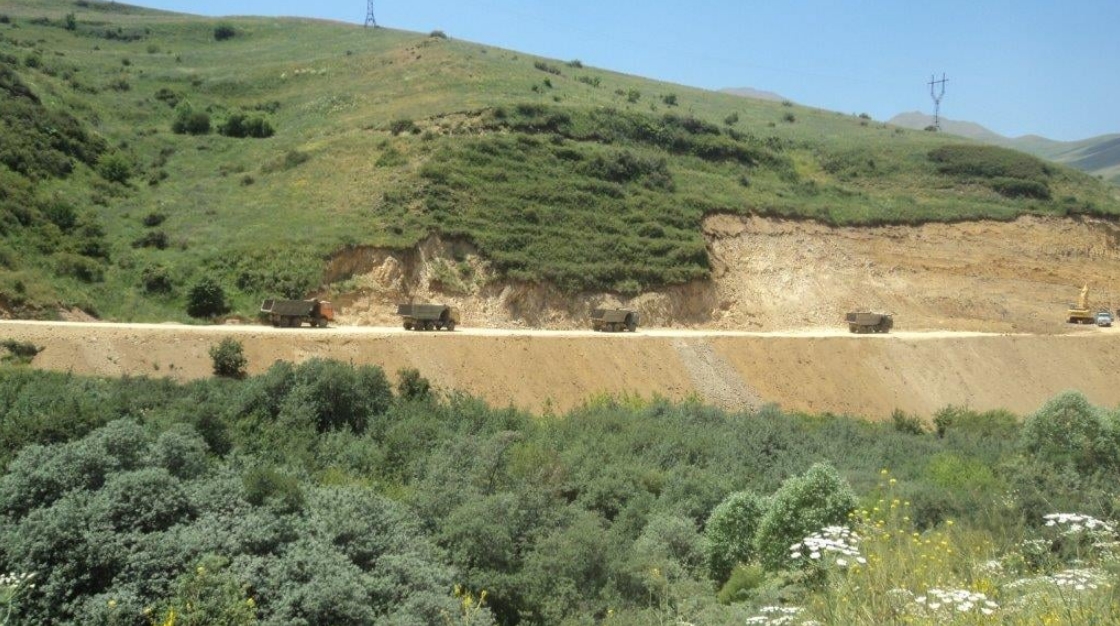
x: 811, y: 370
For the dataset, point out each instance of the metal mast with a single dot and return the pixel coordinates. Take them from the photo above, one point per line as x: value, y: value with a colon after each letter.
x: 370, y: 20
x: 936, y: 95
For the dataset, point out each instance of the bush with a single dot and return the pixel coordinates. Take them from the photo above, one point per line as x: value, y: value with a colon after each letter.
x: 803, y: 505
x: 154, y: 218
x: 905, y: 423
x: 400, y: 126
x: 412, y: 386
x: 228, y: 358
x: 223, y: 32
x: 115, y: 168
x: 156, y: 279
x: 206, y: 298
x: 437, y: 34
x: 168, y: 97
x: 77, y: 266
x: 241, y: 125
x: 1069, y: 432
x: 19, y: 351
x: 731, y: 119
x: 545, y: 67
x: 152, y: 239
x: 190, y: 122
x: 730, y: 532
x: 670, y: 99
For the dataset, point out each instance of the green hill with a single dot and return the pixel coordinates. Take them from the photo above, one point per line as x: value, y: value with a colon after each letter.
x: 145, y: 150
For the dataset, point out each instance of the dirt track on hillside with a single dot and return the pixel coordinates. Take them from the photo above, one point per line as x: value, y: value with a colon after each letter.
x: 818, y: 370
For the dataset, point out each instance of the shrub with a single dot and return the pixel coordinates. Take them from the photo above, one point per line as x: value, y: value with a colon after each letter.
x: 1018, y: 188
x: 437, y: 34
x: 19, y: 351
x: 730, y: 532
x: 411, y: 385
x: 545, y: 67
x: 168, y: 97
x: 400, y: 126
x: 206, y: 298
x: 152, y: 239
x: 743, y: 580
x: 154, y: 218
x: 241, y: 125
x: 228, y: 358
x: 1069, y: 432
x: 576, y: 63
x: 670, y: 99
x: 223, y: 32
x: 633, y: 95
x: 190, y: 122
x: 731, y: 119
x: 77, y: 266
x: 905, y: 423
x: 115, y: 168
x: 789, y: 118
x: 802, y: 505
x: 210, y: 594
x: 156, y: 279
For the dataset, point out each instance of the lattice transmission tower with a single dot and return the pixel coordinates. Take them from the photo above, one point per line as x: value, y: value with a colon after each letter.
x: 370, y: 20
x: 936, y: 95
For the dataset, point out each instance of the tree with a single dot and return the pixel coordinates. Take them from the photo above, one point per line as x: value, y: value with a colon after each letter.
x: 802, y: 505
x: 206, y: 299
x: 229, y: 359
x: 730, y: 531
x: 115, y: 168
x: 411, y: 385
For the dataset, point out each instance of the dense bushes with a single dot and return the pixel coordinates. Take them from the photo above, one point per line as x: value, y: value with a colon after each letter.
x: 271, y: 486
x: 1010, y: 173
x: 242, y: 125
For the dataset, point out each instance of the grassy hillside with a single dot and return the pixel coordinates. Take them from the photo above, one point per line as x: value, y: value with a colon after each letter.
x: 557, y: 172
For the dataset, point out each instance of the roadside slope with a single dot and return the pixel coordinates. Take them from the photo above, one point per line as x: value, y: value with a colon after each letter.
x: 821, y: 371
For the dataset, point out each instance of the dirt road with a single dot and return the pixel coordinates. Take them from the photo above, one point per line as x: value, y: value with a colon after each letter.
x: 812, y: 369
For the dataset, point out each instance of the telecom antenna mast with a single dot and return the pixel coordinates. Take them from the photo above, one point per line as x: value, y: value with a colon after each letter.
x: 936, y: 95
x: 370, y: 20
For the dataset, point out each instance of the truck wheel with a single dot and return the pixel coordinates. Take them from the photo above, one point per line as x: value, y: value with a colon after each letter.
x: 408, y: 325
x: 321, y: 322
x: 451, y: 326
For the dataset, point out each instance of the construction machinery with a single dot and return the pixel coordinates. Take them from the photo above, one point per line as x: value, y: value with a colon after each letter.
x: 1079, y: 313
x: 293, y: 313
x: 428, y: 316
x: 869, y: 322
x: 614, y: 320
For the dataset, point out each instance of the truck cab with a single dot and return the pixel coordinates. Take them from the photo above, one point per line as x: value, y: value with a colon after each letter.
x: 1104, y: 318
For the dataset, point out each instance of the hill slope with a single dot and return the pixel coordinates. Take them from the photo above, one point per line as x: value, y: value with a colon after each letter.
x: 264, y: 153
x: 1099, y: 156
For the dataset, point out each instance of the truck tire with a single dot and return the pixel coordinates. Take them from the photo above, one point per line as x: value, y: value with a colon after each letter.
x: 407, y: 325
x: 450, y: 326
x: 321, y: 322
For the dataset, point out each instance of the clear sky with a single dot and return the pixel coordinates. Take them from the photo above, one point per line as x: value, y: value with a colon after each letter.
x: 1018, y: 67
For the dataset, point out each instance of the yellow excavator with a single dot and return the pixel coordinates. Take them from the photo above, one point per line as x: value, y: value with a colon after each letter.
x: 1079, y: 313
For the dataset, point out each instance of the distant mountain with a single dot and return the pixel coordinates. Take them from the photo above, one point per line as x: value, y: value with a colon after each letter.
x: 757, y: 94
x: 1099, y: 156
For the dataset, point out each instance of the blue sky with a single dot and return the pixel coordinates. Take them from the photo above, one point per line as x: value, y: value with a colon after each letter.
x: 1017, y: 67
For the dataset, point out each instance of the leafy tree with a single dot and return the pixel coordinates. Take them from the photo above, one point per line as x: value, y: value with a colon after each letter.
x: 1069, y: 431
x: 228, y: 358
x: 210, y: 595
x: 802, y: 506
x: 731, y: 531
x: 207, y: 298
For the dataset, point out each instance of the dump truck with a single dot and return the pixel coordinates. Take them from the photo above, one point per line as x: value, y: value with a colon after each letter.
x: 869, y: 322
x: 614, y: 320
x: 293, y: 313
x: 428, y: 316
x: 1078, y: 312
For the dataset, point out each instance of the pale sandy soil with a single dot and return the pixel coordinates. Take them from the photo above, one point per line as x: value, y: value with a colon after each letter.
x: 819, y: 370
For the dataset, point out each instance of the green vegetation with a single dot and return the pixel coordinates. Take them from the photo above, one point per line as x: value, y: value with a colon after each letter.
x: 312, y: 493
x: 228, y: 357
x: 375, y: 137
